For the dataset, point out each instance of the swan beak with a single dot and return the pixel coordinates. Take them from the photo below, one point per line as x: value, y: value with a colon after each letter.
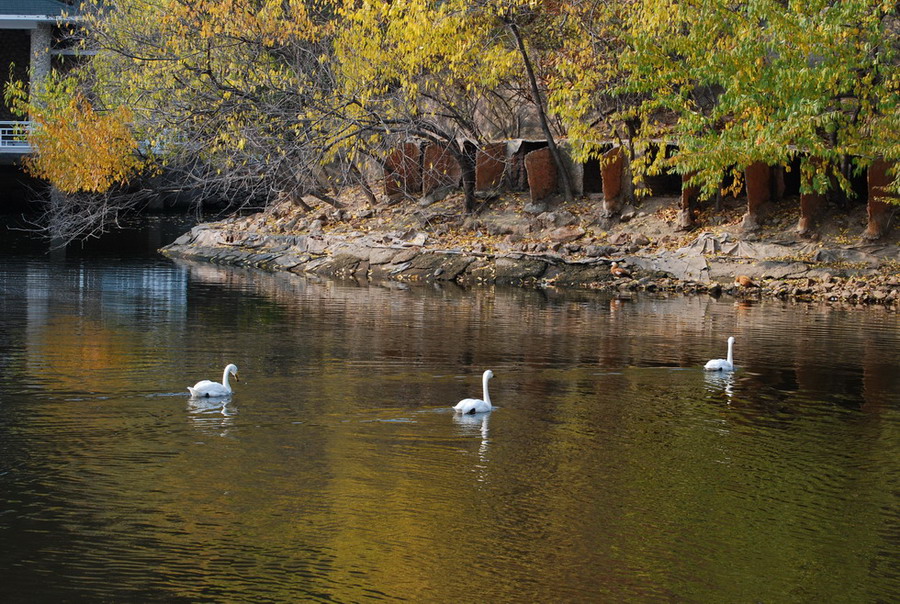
x: 236, y: 378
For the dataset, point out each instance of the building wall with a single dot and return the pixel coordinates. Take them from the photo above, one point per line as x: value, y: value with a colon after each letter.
x: 15, y: 48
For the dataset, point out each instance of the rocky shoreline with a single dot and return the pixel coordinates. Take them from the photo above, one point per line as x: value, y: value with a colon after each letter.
x: 707, y: 265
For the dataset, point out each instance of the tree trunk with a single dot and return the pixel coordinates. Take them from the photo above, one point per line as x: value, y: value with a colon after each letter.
x: 361, y: 179
x: 689, y: 195
x: 466, y: 159
x: 327, y: 199
x: 628, y: 187
x: 879, y: 210
x: 564, y: 182
x: 298, y: 200
x: 758, y: 182
x: 810, y: 207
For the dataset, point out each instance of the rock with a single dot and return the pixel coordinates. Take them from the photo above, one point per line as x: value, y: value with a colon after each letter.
x: 507, y: 225
x: 404, y: 255
x: 845, y: 255
x: 435, y: 196
x: 619, y: 239
x: 316, y: 245
x: 568, y: 274
x: 184, y: 239
x: 604, y: 223
x: 535, y: 208
x: 512, y: 239
x: 566, y: 234
x: 512, y: 272
x: 418, y: 239
x: 628, y: 212
x: 596, y: 251
x: 399, y: 268
x: 341, y: 266
x: 556, y: 219
x: 777, y: 269
x: 435, y: 266
x: 641, y: 240
x: 381, y: 255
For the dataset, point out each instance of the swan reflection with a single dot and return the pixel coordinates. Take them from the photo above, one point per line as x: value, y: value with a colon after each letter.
x: 719, y: 381
x: 476, y: 424
x: 472, y: 422
x: 213, y: 415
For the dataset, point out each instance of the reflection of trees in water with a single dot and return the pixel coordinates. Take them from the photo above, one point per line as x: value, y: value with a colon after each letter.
x: 85, y: 327
x: 606, y: 458
x: 395, y: 326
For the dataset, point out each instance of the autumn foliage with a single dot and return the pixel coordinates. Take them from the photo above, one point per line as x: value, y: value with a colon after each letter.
x: 80, y: 150
x: 266, y: 97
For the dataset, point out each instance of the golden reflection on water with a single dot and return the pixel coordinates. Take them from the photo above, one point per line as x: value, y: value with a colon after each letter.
x: 613, y: 468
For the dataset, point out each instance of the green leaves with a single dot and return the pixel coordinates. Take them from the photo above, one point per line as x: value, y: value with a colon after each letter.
x: 758, y: 81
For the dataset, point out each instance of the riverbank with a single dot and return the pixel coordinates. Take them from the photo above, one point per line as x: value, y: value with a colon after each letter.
x: 511, y: 242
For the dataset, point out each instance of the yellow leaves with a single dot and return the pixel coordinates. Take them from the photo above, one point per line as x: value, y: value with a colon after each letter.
x: 78, y: 149
x: 412, y: 49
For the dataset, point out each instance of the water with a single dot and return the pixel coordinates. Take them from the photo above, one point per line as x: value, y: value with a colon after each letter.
x: 613, y: 470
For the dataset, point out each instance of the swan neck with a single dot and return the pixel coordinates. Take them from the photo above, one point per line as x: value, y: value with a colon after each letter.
x: 225, y: 379
x: 731, y: 351
x: 487, y: 397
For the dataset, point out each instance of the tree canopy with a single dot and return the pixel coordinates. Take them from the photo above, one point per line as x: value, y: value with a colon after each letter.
x: 766, y: 81
x: 262, y: 98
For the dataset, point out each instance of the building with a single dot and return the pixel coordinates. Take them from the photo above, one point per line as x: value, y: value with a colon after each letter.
x: 31, y: 35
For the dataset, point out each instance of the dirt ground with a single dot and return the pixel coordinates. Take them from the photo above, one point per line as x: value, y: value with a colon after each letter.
x: 574, y: 230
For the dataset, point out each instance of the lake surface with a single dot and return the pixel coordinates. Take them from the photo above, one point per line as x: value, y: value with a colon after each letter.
x: 613, y: 469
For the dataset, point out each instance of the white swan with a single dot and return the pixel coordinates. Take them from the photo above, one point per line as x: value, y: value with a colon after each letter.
x: 475, y: 405
x: 723, y: 364
x: 206, y: 388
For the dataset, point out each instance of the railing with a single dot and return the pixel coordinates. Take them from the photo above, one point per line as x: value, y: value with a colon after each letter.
x: 14, y: 137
